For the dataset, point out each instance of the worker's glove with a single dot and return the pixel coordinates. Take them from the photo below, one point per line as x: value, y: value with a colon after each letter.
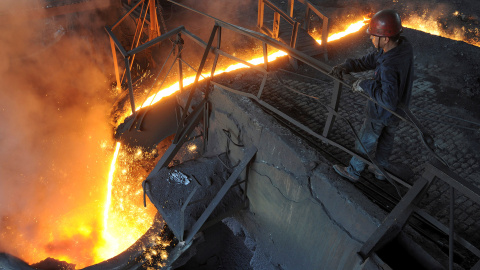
x: 338, y: 71
x: 356, y: 87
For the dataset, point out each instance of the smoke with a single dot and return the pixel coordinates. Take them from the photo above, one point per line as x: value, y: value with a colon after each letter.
x: 54, y: 104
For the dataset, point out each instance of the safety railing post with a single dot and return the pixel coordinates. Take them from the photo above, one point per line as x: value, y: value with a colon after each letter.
x: 130, y: 86
x: 291, y: 4
x: 325, y: 36
x: 276, y: 24
x: 265, y: 60
x: 180, y: 68
x: 199, y: 72
x: 115, y: 63
x: 261, y: 9
x: 335, y: 101
x: 293, y: 39
x: 451, y: 228
x: 306, y: 26
x: 217, y: 54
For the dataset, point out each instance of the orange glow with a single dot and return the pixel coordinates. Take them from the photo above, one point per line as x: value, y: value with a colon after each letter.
x: 121, y: 219
x: 124, y: 221
x: 352, y: 28
x: 431, y: 25
x: 189, y: 80
x: 124, y: 217
x: 169, y: 90
x: 108, y: 201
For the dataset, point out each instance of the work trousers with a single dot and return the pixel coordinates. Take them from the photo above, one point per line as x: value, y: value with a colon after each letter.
x: 376, y: 138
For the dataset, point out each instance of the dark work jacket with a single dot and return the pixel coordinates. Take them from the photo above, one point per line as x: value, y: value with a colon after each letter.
x: 392, y: 85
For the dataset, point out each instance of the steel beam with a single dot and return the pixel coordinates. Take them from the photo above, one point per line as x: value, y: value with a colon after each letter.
x: 476, y: 266
x: 437, y: 224
x: 395, y: 221
x: 128, y: 13
x: 180, y: 43
x: 156, y: 40
x: 279, y: 11
x: 130, y: 87
x: 115, y: 64
x: 192, y: 121
x: 291, y: 4
x: 220, y: 52
x: 456, y: 181
x: 200, y: 68
x: 261, y: 10
x: 335, y: 101
x: 116, y: 41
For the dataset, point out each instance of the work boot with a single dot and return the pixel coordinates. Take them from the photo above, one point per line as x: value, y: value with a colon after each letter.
x: 342, y: 171
x: 378, y: 174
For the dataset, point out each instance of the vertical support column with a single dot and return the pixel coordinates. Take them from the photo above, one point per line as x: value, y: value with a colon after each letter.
x: 293, y: 40
x: 219, y: 43
x: 451, y: 227
x: 276, y: 24
x: 154, y: 30
x: 325, y: 36
x: 265, y: 63
x: 293, y: 43
x: 261, y: 8
x: 206, y: 124
x: 115, y: 63
x: 130, y: 86
x: 265, y: 56
x: 290, y: 7
x: 180, y: 68
x: 306, y: 26
x: 199, y: 72
x: 337, y: 91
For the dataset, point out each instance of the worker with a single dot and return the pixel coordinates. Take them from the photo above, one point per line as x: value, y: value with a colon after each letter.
x: 391, y: 88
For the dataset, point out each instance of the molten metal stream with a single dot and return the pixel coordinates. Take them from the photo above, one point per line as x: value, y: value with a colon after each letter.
x: 108, y: 201
x: 352, y: 28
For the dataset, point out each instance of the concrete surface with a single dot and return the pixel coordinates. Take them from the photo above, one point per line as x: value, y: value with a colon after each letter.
x: 299, y: 217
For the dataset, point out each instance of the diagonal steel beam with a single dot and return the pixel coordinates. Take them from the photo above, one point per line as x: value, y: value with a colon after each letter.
x: 395, y: 221
x: 192, y: 122
x: 476, y: 266
x: 200, y: 68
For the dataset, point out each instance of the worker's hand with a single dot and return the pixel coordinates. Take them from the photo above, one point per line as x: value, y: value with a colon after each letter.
x: 338, y: 71
x: 356, y: 87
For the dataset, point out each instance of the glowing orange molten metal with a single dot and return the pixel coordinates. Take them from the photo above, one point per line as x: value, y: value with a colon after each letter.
x: 431, y: 25
x: 109, y: 188
x: 352, y: 28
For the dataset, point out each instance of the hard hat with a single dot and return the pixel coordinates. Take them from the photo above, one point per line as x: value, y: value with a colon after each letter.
x: 385, y: 23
